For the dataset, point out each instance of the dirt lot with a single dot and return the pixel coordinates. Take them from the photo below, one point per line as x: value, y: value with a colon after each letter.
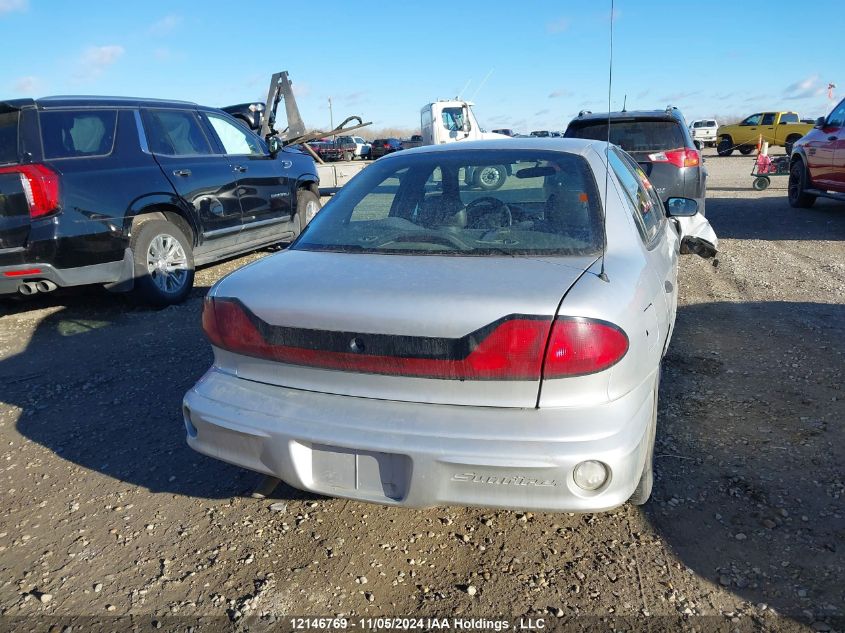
x: 106, y: 512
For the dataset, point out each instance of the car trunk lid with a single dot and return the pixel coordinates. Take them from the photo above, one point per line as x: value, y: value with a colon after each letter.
x: 430, y: 308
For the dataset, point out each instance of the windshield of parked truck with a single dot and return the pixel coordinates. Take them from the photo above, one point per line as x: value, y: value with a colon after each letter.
x: 453, y: 119
x: 633, y: 135
x: 472, y: 202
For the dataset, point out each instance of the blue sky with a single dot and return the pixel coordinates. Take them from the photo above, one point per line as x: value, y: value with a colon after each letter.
x: 543, y: 61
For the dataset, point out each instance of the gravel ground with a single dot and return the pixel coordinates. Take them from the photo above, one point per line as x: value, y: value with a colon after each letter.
x: 106, y: 512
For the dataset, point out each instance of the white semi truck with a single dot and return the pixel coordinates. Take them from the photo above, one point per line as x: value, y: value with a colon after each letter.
x: 451, y: 121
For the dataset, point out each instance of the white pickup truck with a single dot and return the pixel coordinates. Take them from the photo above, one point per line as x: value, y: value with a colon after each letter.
x: 703, y: 132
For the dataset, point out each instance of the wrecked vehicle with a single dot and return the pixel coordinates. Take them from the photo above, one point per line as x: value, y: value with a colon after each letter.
x: 436, y: 344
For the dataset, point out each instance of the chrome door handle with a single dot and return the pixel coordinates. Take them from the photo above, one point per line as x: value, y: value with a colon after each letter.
x: 240, y: 168
x: 182, y: 172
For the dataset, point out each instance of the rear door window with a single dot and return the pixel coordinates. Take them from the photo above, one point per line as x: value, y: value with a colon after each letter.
x: 175, y: 133
x: 789, y: 117
x: 235, y: 140
x: 633, y: 136
x: 9, y: 136
x: 648, y: 213
x: 78, y: 133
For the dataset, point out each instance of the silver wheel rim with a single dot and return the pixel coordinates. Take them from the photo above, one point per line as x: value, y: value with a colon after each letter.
x: 167, y: 263
x: 311, y: 209
x: 489, y: 176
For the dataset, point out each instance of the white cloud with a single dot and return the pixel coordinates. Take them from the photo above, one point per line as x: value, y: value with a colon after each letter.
x: 806, y: 88
x: 26, y: 85
x: 558, y: 26
x: 9, y: 6
x: 96, y: 59
x: 165, y: 25
x: 560, y: 93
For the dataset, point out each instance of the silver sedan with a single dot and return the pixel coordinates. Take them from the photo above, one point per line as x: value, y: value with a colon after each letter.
x: 478, y: 324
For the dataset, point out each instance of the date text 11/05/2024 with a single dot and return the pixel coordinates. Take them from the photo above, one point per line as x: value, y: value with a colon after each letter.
x: 421, y: 623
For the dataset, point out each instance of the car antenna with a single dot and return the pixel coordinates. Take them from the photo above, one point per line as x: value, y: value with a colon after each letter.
x: 602, y: 274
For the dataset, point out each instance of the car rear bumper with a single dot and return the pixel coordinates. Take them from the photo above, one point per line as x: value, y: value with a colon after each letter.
x: 421, y: 455
x: 11, y: 277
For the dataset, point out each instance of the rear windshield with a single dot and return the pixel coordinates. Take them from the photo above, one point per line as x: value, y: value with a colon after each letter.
x: 9, y: 136
x: 633, y: 136
x: 471, y: 203
x: 704, y: 124
x: 77, y: 133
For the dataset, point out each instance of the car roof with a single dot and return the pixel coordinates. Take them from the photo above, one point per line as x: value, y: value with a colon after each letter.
x: 667, y: 114
x: 550, y: 143
x: 64, y: 101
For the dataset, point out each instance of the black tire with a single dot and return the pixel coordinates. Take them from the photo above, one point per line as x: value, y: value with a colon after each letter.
x: 790, y: 142
x: 725, y: 146
x: 745, y: 150
x: 698, y: 145
x: 642, y: 492
x: 796, y: 193
x: 164, y: 263
x: 348, y: 156
x: 490, y: 178
x: 761, y: 183
x: 307, y: 205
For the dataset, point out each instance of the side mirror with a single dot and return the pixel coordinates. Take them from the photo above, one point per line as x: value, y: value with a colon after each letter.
x: 820, y: 121
x: 467, y: 126
x: 275, y: 145
x: 681, y: 207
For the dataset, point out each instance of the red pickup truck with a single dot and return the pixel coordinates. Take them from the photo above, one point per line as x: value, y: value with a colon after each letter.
x: 817, y: 165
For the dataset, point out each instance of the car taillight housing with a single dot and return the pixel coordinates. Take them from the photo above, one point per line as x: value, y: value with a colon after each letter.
x: 510, y: 350
x: 517, y: 348
x: 40, y: 185
x: 579, y: 346
x: 683, y: 157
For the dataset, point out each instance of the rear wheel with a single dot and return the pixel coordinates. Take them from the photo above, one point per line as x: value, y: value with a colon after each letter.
x: 725, y: 146
x: 761, y: 183
x: 307, y: 205
x: 490, y: 178
x: 348, y: 156
x: 790, y: 141
x: 164, y: 263
x: 642, y: 493
x: 796, y: 190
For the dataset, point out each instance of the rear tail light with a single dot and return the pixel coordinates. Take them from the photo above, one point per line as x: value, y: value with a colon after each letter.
x: 579, y: 346
x: 512, y: 350
x: 683, y: 157
x: 40, y: 185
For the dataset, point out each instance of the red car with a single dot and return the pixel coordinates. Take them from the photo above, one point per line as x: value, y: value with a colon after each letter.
x: 817, y: 165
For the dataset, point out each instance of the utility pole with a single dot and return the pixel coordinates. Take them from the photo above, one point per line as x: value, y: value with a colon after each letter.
x: 331, y: 117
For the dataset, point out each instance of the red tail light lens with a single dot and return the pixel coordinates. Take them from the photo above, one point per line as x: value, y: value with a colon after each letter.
x: 40, y: 185
x: 580, y: 346
x: 682, y: 157
x: 512, y: 351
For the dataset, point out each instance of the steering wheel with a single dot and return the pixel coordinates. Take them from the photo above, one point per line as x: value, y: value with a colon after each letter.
x: 482, y: 210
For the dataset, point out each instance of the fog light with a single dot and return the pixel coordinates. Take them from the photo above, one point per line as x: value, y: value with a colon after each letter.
x: 590, y: 475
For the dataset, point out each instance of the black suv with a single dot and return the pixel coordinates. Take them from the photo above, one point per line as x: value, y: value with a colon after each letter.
x: 133, y: 193
x: 659, y: 140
